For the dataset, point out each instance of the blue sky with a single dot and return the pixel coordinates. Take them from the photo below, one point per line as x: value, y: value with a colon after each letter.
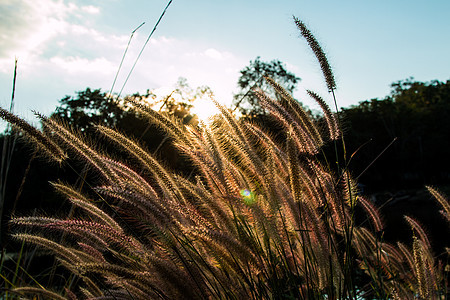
x: 64, y: 46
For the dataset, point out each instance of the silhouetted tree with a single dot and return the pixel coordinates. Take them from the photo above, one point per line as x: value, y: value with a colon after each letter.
x: 89, y: 107
x: 252, y: 76
x: 180, y: 100
x: 418, y: 115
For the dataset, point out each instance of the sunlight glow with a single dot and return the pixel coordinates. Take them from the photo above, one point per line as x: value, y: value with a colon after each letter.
x: 204, y: 108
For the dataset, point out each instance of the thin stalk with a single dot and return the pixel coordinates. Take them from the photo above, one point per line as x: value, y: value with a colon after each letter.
x: 143, y: 47
x: 7, y: 151
x: 123, y: 58
x: 192, y: 247
x: 348, y: 227
x: 22, y: 184
x: 289, y: 242
x: 16, y: 271
x: 376, y: 158
x: 248, y: 92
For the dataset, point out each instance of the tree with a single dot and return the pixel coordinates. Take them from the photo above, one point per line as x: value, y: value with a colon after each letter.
x: 418, y: 115
x: 89, y: 107
x: 180, y: 101
x: 93, y: 107
x: 252, y: 76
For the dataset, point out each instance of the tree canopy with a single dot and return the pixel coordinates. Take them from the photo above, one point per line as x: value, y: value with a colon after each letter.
x: 92, y: 106
x: 418, y: 115
x: 252, y: 77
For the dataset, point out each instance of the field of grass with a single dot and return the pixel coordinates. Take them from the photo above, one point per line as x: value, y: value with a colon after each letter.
x: 255, y: 219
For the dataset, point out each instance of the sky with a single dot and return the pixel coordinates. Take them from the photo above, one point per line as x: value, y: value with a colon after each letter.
x: 65, y: 46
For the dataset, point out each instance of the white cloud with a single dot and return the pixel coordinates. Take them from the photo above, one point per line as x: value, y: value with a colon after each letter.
x: 90, y: 9
x: 57, y: 50
x: 92, y: 34
x: 27, y: 25
x: 164, y: 62
x: 160, y: 40
x: 213, y: 53
x: 80, y: 65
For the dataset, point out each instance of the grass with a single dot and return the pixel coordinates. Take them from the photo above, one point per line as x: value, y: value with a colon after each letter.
x: 257, y: 219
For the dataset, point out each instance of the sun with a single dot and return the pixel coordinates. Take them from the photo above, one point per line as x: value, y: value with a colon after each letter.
x: 204, y: 109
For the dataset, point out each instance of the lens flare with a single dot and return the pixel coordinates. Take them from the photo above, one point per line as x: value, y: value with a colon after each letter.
x: 247, y: 196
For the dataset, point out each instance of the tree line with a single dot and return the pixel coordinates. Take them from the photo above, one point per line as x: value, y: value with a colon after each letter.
x: 415, y: 121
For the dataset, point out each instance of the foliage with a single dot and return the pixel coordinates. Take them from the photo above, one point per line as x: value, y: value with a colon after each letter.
x: 89, y: 107
x: 94, y: 107
x: 260, y: 219
x: 418, y: 115
x: 252, y: 78
x: 179, y: 102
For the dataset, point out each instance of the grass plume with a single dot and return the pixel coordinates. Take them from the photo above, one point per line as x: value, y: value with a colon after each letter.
x: 39, y: 139
x: 318, y: 52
